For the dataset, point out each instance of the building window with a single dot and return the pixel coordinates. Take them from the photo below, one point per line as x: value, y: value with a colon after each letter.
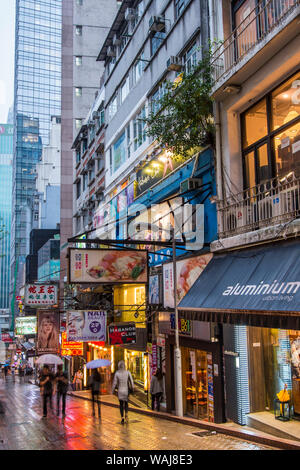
x: 78, y: 91
x: 156, y: 97
x: 78, y: 30
x: 190, y: 59
x: 112, y: 108
x: 78, y: 60
x: 78, y: 155
x: 124, y: 89
x: 79, y: 2
x: 78, y: 123
x: 119, y: 152
x: 78, y: 189
x: 156, y: 40
x: 138, y: 67
x: 139, y: 129
x: 179, y: 7
x: 271, y: 135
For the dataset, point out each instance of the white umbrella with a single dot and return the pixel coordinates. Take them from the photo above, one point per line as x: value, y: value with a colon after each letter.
x: 49, y: 359
x: 98, y: 363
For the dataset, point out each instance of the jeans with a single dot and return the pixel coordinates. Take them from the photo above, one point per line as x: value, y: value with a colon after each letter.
x: 156, y: 398
x: 60, y: 395
x: 123, y: 405
x: 46, y: 397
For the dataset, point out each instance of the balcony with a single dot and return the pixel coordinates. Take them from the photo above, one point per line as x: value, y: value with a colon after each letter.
x: 255, y: 40
x: 268, y: 204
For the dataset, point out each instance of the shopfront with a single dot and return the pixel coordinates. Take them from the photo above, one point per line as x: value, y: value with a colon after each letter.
x: 99, y: 350
x: 253, y: 295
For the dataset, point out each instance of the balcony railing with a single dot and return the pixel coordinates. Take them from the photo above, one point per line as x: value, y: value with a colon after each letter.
x: 276, y: 201
x: 251, y: 31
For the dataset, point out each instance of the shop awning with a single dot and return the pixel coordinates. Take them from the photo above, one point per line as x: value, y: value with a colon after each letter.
x: 28, y: 345
x: 259, y: 287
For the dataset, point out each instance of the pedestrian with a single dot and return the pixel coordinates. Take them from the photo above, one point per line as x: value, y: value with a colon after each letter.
x: 13, y: 372
x: 78, y: 380
x: 61, y: 381
x: 20, y: 370
x: 94, y: 382
x: 46, y: 384
x: 124, y: 382
x: 156, y: 389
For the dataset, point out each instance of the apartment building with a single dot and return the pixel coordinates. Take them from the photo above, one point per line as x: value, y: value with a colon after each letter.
x: 252, y: 285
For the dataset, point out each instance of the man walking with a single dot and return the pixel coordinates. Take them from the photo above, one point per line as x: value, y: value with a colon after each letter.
x: 61, y: 380
x: 46, y: 384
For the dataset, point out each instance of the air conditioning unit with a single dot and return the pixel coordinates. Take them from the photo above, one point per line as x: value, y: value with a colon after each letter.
x: 189, y: 184
x: 130, y: 14
x: 111, y: 51
x: 157, y: 23
x: 289, y: 199
x: 117, y: 40
x: 268, y: 207
x: 174, y: 63
x: 238, y: 217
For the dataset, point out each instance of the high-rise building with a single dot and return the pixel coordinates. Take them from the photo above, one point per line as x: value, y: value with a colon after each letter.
x: 37, y: 98
x: 6, y: 151
x: 85, y: 25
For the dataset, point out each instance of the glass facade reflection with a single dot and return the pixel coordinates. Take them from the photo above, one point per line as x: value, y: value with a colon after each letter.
x: 37, y: 98
x: 6, y: 153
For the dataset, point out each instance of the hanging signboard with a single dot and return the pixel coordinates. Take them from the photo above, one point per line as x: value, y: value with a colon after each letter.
x: 86, y: 325
x: 40, y: 295
x: 98, y: 266
x: 122, y: 333
x: 5, y: 337
x: 188, y: 271
x: 70, y: 348
x: 48, y: 332
x: 25, y: 326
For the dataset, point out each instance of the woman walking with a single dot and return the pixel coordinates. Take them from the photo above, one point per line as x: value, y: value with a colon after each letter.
x: 124, y: 382
x: 156, y: 389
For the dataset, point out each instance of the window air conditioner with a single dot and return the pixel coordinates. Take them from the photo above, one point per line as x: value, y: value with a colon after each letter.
x: 189, y: 184
x: 238, y: 217
x: 117, y: 40
x: 130, y: 14
x: 174, y: 63
x: 157, y: 23
x: 111, y: 51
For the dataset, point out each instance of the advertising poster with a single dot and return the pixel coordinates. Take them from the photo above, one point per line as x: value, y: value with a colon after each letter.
x: 86, y: 325
x: 48, y: 332
x: 40, y: 295
x: 107, y: 266
x: 154, y: 290
x: 187, y: 271
x: 122, y: 333
x: 25, y: 326
x: 70, y: 348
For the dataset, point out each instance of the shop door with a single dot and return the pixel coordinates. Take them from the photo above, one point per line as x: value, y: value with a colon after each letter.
x: 195, y: 388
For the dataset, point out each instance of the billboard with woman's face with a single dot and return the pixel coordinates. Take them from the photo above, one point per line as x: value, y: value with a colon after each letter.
x: 48, y: 332
x: 86, y: 325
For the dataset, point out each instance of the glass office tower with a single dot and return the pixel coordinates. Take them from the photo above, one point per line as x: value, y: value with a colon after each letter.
x: 6, y: 154
x: 37, y: 98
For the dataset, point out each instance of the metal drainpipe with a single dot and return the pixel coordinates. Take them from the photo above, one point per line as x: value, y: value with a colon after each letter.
x: 218, y: 160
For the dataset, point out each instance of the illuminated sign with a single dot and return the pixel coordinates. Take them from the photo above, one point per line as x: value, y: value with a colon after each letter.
x: 70, y: 348
x: 26, y: 326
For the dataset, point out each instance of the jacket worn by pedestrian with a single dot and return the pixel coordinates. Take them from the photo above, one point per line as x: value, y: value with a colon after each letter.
x: 121, y: 378
x: 156, y: 386
x: 62, y: 382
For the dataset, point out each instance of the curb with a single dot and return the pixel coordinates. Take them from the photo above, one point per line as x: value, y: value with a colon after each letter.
x: 266, y: 439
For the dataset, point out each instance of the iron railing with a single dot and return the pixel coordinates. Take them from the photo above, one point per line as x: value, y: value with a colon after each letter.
x: 251, y: 31
x: 267, y: 204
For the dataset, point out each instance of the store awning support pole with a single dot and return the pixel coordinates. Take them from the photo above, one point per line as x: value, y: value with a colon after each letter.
x: 178, y: 376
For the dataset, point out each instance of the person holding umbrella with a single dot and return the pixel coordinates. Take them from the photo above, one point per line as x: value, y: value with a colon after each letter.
x: 46, y: 384
x: 94, y: 382
x: 124, y: 382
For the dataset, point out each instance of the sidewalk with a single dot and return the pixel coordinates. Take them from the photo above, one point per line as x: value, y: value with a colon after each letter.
x: 230, y: 429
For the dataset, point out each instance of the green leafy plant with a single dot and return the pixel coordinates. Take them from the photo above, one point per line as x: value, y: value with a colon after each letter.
x: 184, y: 122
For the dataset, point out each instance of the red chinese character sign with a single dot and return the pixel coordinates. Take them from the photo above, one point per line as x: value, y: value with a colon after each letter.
x: 40, y: 295
x: 48, y: 332
x: 70, y: 348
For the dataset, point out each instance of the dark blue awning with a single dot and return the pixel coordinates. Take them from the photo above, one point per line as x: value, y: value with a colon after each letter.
x: 264, y: 280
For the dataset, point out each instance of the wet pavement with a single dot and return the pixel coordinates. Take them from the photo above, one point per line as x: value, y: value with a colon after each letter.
x: 23, y: 428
